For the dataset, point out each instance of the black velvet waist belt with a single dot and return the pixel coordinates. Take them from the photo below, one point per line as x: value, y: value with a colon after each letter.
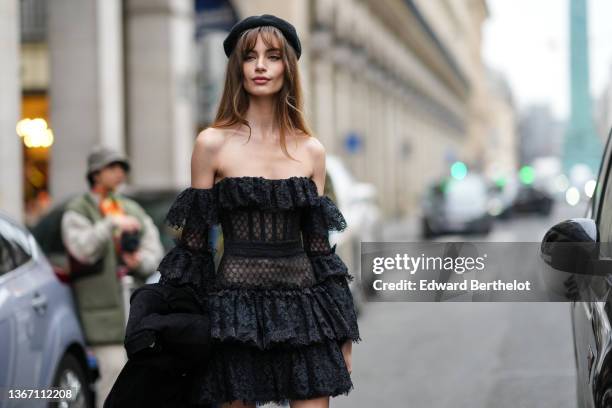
x: 263, y: 249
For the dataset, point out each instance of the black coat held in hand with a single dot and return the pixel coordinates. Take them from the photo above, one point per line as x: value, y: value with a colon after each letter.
x: 167, y: 335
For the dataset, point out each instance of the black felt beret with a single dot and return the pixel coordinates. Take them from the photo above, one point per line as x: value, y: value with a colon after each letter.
x: 285, y: 27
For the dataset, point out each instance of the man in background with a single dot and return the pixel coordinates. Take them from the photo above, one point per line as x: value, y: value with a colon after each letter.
x: 107, y: 237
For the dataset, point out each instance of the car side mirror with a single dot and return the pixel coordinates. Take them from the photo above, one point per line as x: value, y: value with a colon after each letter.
x: 572, y: 246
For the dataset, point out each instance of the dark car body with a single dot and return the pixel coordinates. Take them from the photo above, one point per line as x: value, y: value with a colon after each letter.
x: 590, y: 286
x: 532, y: 200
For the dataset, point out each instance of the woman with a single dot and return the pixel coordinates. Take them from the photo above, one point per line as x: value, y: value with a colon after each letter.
x: 282, y: 317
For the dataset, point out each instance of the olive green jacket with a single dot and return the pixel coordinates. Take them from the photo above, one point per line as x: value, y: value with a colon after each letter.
x: 87, y: 236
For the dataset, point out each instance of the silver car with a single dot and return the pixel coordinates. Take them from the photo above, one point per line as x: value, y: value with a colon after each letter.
x: 41, y: 343
x: 358, y: 202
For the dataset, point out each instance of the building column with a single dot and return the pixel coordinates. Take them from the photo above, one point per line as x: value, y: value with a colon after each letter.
x: 390, y: 151
x: 404, y: 144
x: 161, y: 86
x: 342, y: 110
x: 393, y: 163
x: 378, y: 151
x: 323, y: 106
x: 86, y: 86
x: 323, y: 111
x: 11, y: 184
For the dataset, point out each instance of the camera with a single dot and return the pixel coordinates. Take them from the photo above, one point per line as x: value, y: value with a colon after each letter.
x: 130, y: 241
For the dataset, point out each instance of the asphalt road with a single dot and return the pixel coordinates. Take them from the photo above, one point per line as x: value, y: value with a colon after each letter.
x: 439, y: 355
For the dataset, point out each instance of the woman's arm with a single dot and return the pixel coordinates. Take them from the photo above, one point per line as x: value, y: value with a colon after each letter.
x: 193, y: 213
x: 204, y: 158
x: 317, y: 154
x: 347, y: 352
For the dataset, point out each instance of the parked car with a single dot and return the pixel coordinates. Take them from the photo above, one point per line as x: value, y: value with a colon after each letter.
x: 577, y: 252
x: 503, y: 197
x: 454, y: 206
x: 358, y: 202
x: 530, y: 199
x: 42, y: 344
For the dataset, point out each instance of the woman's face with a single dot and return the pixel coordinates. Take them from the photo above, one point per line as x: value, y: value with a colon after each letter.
x: 263, y: 69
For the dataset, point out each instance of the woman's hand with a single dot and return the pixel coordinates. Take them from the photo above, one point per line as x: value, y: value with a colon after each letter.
x: 347, y: 352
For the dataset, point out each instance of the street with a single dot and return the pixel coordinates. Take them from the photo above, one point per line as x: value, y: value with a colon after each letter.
x: 466, y: 354
x: 268, y: 165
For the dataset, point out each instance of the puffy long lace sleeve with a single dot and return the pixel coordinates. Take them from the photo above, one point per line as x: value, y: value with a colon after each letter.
x: 317, y: 221
x: 191, y: 261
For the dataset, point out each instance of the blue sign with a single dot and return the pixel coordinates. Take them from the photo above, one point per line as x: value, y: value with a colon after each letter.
x: 450, y: 155
x: 353, y: 142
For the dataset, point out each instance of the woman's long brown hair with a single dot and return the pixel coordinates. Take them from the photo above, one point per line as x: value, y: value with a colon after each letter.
x: 234, y: 103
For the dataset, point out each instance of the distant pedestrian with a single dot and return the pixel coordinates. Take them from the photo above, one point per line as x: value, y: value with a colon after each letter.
x: 107, y: 237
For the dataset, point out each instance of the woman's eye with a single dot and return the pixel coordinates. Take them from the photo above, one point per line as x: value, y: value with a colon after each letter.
x: 275, y: 57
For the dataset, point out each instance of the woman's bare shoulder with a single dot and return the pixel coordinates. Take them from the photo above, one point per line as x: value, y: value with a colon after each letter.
x: 210, y: 139
x: 205, y: 156
x: 315, y: 148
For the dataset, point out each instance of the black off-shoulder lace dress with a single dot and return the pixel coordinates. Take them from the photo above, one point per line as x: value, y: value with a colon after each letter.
x: 279, y: 302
